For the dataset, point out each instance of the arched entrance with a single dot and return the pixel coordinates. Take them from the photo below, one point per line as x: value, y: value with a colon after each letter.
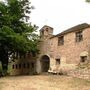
x: 45, y: 63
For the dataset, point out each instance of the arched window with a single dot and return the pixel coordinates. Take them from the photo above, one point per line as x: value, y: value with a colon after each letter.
x: 57, y: 61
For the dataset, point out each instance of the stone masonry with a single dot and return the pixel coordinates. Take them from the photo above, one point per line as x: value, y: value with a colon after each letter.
x: 64, y: 57
x: 58, y: 53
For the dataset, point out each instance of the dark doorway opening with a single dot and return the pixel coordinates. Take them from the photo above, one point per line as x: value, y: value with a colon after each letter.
x: 45, y: 63
x: 83, y: 59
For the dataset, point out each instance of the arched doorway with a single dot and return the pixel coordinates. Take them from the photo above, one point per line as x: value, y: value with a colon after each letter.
x: 45, y: 63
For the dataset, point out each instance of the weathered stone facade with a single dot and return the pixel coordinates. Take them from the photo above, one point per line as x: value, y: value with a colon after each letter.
x: 74, y: 48
x: 24, y: 65
x: 58, y: 53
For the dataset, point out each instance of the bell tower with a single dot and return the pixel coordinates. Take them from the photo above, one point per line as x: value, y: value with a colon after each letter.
x: 46, y: 32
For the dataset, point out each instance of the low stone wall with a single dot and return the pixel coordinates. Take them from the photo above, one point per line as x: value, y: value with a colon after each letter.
x: 80, y: 73
x: 62, y: 69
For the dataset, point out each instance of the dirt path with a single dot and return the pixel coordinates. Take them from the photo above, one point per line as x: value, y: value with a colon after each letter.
x: 43, y: 82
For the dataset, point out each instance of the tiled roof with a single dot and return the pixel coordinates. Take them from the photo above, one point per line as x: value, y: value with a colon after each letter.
x: 73, y: 29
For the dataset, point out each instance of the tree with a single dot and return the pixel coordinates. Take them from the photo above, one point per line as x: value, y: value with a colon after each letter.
x: 87, y: 0
x: 15, y: 30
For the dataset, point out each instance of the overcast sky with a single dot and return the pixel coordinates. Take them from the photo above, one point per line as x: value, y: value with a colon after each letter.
x: 60, y: 14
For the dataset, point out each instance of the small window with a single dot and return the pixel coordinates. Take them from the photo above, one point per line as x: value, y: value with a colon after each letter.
x: 16, y: 66
x: 32, y: 65
x: 61, y: 40
x: 47, y: 29
x: 79, y: 36
x: 83, y: 59
x: 19, y: 66
x: 13, y: 66
x: 57, y: 61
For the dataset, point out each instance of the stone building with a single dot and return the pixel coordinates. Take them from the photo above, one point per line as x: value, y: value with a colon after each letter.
x: 58, y: 53
x: 64, y: 51
x: 24, y: 65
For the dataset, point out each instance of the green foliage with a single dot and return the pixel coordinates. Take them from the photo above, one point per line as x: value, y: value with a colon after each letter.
x: 13, y: 29
x: 16, y: 32
x: 87, y: 0
x: 0, y: 67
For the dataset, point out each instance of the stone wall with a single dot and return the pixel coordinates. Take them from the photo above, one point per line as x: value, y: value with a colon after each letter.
x: 69, y: 53
x: 80, y: 73
x: 23, y: 66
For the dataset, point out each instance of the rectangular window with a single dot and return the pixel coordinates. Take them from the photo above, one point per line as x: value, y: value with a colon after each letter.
x: 79, y: 36
x: 19, y: 66
x: 16, y: 66
x: 61, y: 40
x: 57, y: 61
x: 83, y: 59
x: 13, y: 66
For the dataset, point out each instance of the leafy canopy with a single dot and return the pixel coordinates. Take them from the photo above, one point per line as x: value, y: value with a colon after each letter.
x: 87, y: 0
x: 15, y: 27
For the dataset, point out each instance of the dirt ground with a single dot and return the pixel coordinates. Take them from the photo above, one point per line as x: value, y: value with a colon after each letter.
x: 43, y: 82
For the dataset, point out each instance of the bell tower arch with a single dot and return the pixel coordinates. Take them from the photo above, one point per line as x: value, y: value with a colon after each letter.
x: 46, y: 31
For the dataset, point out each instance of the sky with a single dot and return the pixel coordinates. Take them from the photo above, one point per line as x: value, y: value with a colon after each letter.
x: 60, y: 14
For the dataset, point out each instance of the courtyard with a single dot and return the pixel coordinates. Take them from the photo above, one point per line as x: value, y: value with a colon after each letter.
x: 43, y: 82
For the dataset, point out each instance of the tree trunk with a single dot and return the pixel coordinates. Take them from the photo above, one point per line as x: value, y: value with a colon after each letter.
x: 4, y: 66
x: 4, y: 61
